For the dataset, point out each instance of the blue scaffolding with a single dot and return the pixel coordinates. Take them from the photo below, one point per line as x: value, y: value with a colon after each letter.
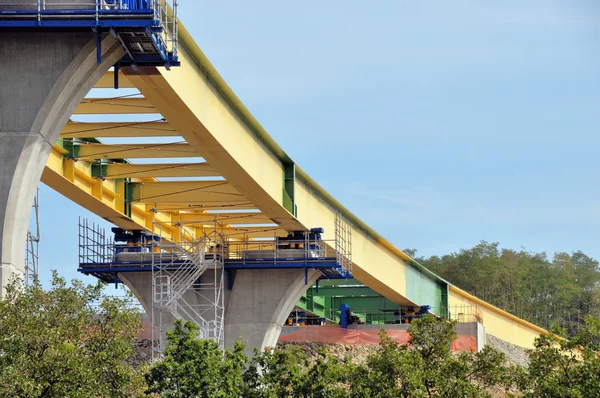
x: 134, y: 251
x: 147, y: 29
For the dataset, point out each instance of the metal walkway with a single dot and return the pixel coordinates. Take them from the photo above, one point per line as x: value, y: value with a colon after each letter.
x: 147, y: 29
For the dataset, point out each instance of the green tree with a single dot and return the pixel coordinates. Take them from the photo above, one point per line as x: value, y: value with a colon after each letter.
x: 562, y: 291
x: 67, y: 341
x: 276, y: 372
x: 427, y: 368
x: 565, y: 368
x: 193, y: 367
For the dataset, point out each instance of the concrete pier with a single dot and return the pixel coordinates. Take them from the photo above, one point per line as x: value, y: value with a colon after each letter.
x: 45, y: 75
x: 256, y: 307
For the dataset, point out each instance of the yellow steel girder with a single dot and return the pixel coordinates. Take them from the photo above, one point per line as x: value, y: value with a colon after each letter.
x: 183, y: 206
x: 188, y: 218
x: 205, y: 192
x: 107, y: 80
x: 203, y: 110
x: 204, y: 119
x: 105, y: 198
x: 247, y: 164
x: 95, y: 106
x: 117, y: 129
x: 103, y: 151
x: 123, y: 170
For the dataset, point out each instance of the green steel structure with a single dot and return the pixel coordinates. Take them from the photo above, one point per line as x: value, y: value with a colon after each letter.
x: 325, y: 299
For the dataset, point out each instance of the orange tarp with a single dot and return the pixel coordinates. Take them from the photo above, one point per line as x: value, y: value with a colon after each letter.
x: 335, y: 335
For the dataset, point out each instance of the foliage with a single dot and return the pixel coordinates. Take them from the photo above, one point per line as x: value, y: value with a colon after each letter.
x: 67, y: 341
x: 194, y: 367
x: 565, y: 368
x: 288, y: 373
x: 426, y: 368
x: 564, y: 290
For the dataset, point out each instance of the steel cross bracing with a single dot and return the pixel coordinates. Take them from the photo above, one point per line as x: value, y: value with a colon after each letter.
x: 183, y: 289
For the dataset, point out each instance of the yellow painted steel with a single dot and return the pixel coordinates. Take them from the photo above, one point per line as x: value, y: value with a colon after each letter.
x: 104, y: 198
x: 183, y: 206
x: 122, y: 170
x: 103, y: 151
x: 204, y: 192
x: 204, y: 118
x: 200, y: 107
x: 497, y: 322
x: 223, y: 218
x: 115, y: 129
x: 252, y: 233
x: 108, y: 81
x: 374, y: 266
x: 95, y: 106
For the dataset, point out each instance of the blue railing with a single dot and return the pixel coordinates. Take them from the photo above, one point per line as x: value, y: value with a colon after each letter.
x: 157, y: 19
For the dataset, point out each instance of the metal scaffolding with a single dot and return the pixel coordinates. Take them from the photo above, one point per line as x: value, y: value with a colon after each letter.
x: 187, y: 273
x: 32, y: 245
x: 343, y: 243
x: 188, y: 284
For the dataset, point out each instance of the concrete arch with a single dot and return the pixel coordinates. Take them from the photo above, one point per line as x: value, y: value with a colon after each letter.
x: 45, y: 75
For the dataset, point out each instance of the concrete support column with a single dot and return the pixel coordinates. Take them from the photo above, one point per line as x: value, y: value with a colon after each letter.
x: 260, y: 302
x: 255, y: 308
x: 44, y: 76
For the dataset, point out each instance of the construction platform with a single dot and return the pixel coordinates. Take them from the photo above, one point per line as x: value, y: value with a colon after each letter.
x: 136, y: 251
x: 147, y: 29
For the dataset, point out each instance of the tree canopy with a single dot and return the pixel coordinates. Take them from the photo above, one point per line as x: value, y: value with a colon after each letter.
x: 66, y: 341
x: 563, y: 290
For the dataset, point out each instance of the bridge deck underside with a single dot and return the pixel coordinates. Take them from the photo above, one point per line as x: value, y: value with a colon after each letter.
x: 125, y: 156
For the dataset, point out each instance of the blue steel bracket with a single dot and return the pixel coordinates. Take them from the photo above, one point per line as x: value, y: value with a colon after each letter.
x: 98, y: 46
x: 116, y: 75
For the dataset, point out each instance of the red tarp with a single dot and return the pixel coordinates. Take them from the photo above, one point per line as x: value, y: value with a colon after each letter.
x: 335, y: 335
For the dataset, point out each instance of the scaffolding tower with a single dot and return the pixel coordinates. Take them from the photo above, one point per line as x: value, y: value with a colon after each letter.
x: 188, y: 284
x: 32, y: 244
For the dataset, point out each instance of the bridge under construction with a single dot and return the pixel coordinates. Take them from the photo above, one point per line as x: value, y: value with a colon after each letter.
x: 113, y: 105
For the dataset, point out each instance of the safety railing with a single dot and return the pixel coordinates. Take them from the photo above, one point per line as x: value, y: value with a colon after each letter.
x: 162, y: 12
x: 94, y: 245
x: 281, y: 251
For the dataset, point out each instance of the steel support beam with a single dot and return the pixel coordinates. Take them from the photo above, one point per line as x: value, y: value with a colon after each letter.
x: 124, y: 170
x: 107, y: 81
x: 115, y: 129
x: 103, y: 151
x: 203, y: 192
x: 96, y: 106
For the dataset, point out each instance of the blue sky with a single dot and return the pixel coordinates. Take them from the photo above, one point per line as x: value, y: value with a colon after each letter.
x: 437, y: 123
